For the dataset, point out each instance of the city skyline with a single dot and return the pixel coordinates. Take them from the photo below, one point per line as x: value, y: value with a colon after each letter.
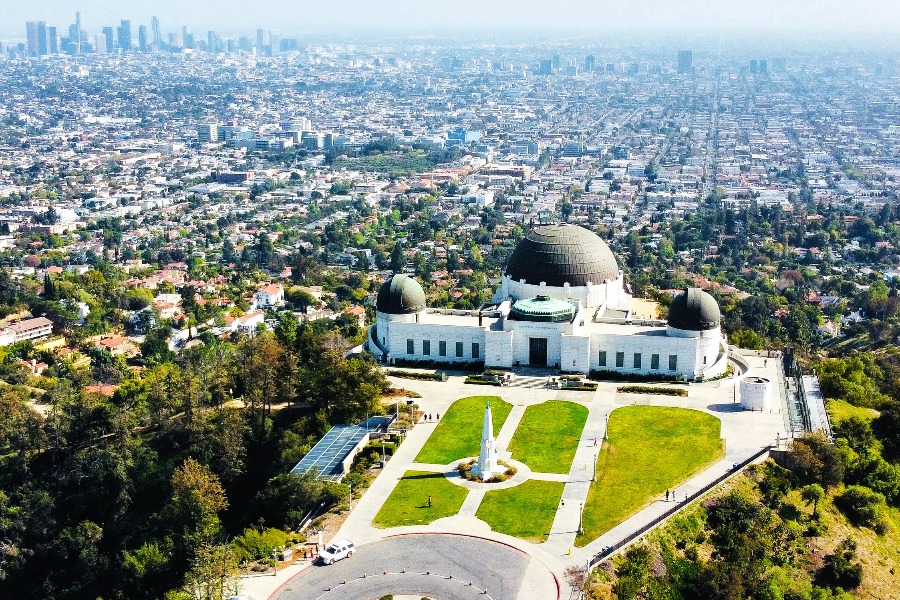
x: 407, y: 17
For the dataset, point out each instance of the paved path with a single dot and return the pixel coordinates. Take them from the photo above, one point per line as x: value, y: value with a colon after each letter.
x: 565, y: 525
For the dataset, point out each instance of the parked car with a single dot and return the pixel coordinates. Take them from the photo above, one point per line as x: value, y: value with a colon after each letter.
x: 337, y: 550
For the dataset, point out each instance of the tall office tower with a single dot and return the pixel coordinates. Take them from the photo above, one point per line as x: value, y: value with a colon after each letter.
x: 157, y: 34
x: 187, y: 38
x: 52, y: 40
x: 555, y: 62
x: 589, y: 63
x: 125, y: 35
x: 260, y: 42
x: 546, y: 67
x: 79, y: 38
x: 763, y: 66
x: 31, y: 31
x: 685, y: 62
x: 208, y: 132
x: 274, y: 42
x: 213, y: 42
x: 43, y: 46
x: 143, y: 39
x: 109, y: 41
x: 100, y: 43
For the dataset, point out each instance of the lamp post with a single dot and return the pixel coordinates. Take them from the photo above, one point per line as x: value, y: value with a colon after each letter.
x: 350, y: 499
x: 594, y: 475
x: 580, y: 518
x: 606, y: 429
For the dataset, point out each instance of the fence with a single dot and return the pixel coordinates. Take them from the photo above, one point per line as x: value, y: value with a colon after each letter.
x: 627, y: 540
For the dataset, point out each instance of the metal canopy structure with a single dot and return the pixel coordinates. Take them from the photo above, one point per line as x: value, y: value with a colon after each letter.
x: 328, y: 456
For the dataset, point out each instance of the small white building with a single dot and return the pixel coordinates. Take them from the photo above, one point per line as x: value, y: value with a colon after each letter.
x: 270, y: 295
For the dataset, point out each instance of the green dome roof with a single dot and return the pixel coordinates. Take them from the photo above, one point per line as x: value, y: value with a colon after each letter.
x: 694, y: 310
x: 560, y: 254
x: 542, y: 308
x: 400, y: 295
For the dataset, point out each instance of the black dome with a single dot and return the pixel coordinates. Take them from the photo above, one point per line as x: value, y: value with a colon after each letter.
x: 694, y: 310
x: 400, y: 295
x: 560, y: 254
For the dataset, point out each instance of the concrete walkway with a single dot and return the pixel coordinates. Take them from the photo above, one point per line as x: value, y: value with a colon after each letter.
x: 565, y: 525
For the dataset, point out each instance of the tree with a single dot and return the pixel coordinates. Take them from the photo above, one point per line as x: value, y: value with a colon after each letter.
x: 193, y: 511
x: 813, y: 494
x: 213, y: 574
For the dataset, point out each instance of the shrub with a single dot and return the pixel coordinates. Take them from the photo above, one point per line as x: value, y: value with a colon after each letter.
x: 478, y: 380
x: 254, y: 544
x: 843, y: 568
x: 644, y: 389
x: 861, y: 505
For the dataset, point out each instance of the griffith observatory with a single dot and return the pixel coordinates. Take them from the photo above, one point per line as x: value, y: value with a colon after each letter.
x: 561, y: 304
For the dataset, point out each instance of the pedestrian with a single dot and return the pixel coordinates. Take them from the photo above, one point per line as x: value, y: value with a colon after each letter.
x: 765, y: 362
x: 563, y: 500
x: 667, y: 495
x: 438, y: 417
x: 595, y: 440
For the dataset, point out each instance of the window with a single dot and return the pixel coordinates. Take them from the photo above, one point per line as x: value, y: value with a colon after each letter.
x: 459, y: 349
x: 476, y: 350
x: 637, y: 360
x: 442, y: 348
x: 410, y: 347
x: 654, y: 362
x: 426, y: 347
x: 673, y: 362
x: 620, y: 360
x: 602, y: 360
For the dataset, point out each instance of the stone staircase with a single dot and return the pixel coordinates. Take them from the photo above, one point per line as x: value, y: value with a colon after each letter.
x: 528, y: 382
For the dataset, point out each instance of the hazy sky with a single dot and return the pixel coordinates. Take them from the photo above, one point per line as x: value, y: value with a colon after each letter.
x: 412, y: 16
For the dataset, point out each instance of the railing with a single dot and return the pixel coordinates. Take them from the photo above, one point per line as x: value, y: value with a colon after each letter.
x: 627, y: 540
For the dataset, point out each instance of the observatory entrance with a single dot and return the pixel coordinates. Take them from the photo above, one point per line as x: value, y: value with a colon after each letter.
x: 537, y: 352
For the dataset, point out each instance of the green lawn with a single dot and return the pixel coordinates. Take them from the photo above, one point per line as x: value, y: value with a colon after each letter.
x: 548, y: 436
x: 458, y: 434
x: 525, y: 511
x: 838, y: 410
x: 408, y: 503
x: 650, y: 449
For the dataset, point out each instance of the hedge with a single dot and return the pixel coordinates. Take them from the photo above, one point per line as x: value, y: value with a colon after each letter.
x: 617, y: 376
x: 645, y: 389
x: 415, y: 375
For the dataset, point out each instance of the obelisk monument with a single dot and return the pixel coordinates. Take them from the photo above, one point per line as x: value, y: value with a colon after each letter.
x: 487, y: 460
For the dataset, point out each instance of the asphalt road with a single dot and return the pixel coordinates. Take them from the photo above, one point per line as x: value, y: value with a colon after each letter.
x: 474, y: 564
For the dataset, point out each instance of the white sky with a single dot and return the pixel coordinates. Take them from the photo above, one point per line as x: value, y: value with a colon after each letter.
x: 429, y: 16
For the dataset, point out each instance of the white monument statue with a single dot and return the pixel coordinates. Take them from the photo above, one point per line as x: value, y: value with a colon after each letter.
x: 487, y: 460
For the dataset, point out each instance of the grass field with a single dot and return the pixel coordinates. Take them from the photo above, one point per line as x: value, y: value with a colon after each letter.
x: 525, y: 511
x: 548, y: 436
x: 408, y: 503
x: 838, y: 410
x: 458, y: 434
x: 650, y: 449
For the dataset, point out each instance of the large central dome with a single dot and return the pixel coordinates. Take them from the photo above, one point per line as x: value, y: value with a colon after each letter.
x: 560, y: 254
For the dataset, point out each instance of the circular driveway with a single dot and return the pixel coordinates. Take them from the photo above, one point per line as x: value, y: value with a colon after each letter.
x: 440, y: 566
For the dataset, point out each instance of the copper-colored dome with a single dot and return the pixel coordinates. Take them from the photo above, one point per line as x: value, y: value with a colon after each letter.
x: 560, y: 254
